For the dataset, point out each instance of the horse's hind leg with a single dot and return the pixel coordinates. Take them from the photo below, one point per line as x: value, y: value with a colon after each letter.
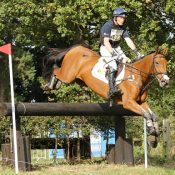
x: 69, y: 69
x: 53, y: 83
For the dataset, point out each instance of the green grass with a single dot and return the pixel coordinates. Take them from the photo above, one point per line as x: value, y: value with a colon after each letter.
x: 94, y: 169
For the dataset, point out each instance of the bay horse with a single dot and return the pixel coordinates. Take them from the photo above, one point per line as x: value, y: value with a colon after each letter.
x: 77, y: 63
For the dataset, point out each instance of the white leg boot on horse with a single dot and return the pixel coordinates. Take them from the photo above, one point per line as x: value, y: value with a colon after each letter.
x: 153, y: 129
x: 151, y: 124
x: 54, y: 83
x: 154, y: 120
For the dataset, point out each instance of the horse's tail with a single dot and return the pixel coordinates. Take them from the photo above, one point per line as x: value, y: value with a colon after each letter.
x: 54, y: 57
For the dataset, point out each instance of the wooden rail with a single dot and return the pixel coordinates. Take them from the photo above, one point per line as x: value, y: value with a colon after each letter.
x: 64, y: 109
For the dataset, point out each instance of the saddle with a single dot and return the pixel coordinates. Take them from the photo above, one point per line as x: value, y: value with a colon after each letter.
x: 100, y: 69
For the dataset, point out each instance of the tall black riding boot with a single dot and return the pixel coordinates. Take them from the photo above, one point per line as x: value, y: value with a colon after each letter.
x: 113, y: 90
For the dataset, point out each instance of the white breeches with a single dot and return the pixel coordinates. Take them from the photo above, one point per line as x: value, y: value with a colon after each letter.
x: 108, y: 57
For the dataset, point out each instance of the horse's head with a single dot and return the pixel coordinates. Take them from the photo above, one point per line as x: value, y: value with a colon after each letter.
x: 160, y: 67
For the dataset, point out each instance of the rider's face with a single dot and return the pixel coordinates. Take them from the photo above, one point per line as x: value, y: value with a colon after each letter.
x: 120, y: 20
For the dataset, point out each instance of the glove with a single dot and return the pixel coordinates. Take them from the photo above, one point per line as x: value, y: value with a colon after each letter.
x: 114, y: 53
x: 139, y: 55
x: 126, y: 60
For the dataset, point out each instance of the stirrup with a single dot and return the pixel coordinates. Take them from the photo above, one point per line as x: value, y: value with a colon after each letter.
x: 113, y: 93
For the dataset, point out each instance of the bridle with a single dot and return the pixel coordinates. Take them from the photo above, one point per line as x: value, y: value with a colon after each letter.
x: 153, y: 75
x: 154, y: 65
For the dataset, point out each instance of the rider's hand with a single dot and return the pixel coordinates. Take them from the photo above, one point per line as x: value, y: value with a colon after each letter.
x: 114, y: 53
x: 126, y: 60
x: 139, y: 55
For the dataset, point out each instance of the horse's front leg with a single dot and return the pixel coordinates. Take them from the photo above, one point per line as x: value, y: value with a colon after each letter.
x: 152, y: 125
x: 132, y: 105
x: 152, y: 119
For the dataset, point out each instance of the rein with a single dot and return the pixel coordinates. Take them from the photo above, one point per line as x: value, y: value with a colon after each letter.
x: 145, y: 87
x: 153, y: 75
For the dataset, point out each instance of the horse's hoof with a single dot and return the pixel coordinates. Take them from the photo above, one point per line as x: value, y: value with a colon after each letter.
x: 154, y: 132
x: 46, y: 88
x: 152, y: 141
x: 58, y: 84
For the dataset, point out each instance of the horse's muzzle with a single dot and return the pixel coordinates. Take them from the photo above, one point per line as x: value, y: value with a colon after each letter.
x: 164, y: 80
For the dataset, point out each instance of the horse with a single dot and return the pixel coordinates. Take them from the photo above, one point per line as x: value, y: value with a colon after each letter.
x: 77, y: 63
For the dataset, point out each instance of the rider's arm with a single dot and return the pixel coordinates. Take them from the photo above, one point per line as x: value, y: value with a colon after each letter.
x: 130, y: 43
x: 107, y: 44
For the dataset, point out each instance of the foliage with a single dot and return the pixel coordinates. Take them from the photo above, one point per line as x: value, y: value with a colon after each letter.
x: 163, y: 99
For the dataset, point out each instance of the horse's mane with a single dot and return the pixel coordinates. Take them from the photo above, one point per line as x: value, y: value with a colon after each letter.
x: 55, y: 56
x: 149, y: 53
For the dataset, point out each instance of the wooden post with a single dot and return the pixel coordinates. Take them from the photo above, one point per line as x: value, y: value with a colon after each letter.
x: 6, y: 154
x: 123, y: 146
x: 111, y: 153
x: 26, y: 153
x: 18, y: 122
x: 23, y: 147
x: 128, y: 152
x: 24, y: 156
x: 119, y: 137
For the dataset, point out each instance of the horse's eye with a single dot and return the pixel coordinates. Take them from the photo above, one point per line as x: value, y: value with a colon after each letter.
x: 156, y: 63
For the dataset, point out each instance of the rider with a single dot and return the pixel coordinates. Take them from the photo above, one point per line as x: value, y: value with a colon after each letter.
x: 111, y: 34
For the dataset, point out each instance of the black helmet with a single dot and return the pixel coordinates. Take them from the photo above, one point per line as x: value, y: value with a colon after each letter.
x: 119, y: 12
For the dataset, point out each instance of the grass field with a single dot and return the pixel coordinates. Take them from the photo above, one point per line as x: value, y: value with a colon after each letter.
x: 94, y: 169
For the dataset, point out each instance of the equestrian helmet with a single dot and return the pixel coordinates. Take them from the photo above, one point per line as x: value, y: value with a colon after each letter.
x: 119, y: 12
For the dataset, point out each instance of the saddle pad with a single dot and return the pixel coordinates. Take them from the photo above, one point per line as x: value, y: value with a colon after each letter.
x: 99, y: 71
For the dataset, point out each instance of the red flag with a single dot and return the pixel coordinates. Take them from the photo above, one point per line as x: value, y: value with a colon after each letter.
x: 6, y: 49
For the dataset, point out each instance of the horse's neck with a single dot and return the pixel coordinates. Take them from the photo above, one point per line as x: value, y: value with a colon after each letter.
x: 145, y: 64
x: 144, y: 68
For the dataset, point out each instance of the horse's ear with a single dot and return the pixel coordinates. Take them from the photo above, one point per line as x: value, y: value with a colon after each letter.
x: 164, y: 51
x: 157, y: 50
